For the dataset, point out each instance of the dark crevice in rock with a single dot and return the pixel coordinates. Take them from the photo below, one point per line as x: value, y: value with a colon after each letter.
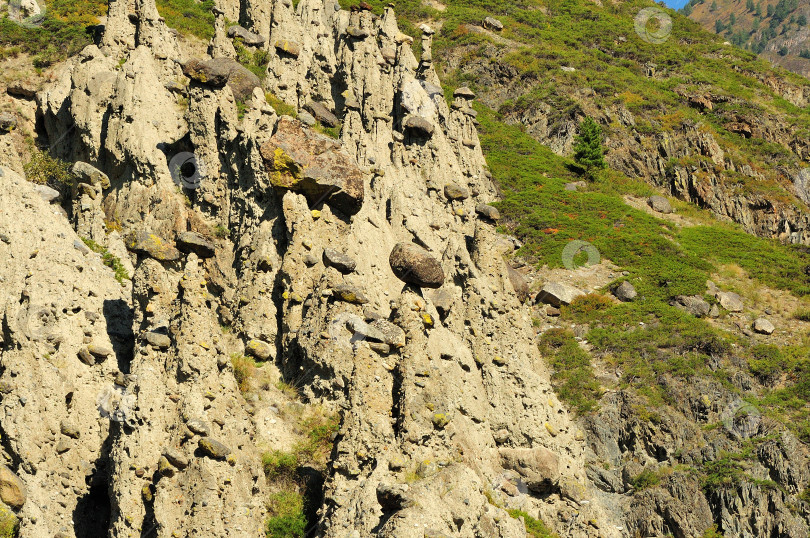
x: 92, y: 515
x: 119, y: 317
x: 397, y: 396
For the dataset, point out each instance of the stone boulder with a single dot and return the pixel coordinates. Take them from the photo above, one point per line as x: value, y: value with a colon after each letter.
x: 12, y: 489
x: 659, y: 204
x: 488, y: 212
x: 301, y: 160
x: 763, y: 326
x: 538, y: 467
x: 464, y: 92
x: 418, y: 126
x: 259, y: 349
x: 87, y: 173
x: 322, y: 114
x: 394, y: 497
x: 196, y: 243
x: 213, y: 448
x: 46, y: 193
x: 730, y: 301
x: 391, y: 334
x: 491, y: 23
x: 454, y: 191
x: 158, y: 340
x: 290, y: 48
x: 518, y: 282
x: 625, y: 292
x: 415, y: 265
x: 247, y: 37
x: 7, y: 122
x: 221, y: 71
x: 338, y: 260
x: 692, y: 304
x: 350, y: 294
x: 557, y: 294
x: 153, y: 246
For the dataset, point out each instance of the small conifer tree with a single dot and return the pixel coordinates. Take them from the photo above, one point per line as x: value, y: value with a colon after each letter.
x: 588, y: 150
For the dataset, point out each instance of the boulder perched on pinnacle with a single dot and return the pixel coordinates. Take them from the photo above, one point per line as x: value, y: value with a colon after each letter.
x: 247, y: 37
x: 153, y: 246
x: 196, y: 243
x: 221, y: 71
x: 415, y: 265
x: 301, y: 160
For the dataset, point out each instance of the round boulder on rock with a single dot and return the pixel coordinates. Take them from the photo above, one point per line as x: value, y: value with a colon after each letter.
x: 730, y: 301
x: 539, y: 467
x: 488, y: 212
x: 213, y: 448
x: 7, y: 122
x: 415, y: 265
x: 87, y: 173
x: 259, y: 349
x: 338, y: 260
x: 518, y: 282
x: 692, y: 304
x: 454, y: 191
x: 247, y: 37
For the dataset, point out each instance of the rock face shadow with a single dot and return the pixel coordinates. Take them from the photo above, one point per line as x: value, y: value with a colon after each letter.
x: 119, y: 319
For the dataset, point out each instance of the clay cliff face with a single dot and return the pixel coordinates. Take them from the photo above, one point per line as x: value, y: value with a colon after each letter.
x: 283, y: 234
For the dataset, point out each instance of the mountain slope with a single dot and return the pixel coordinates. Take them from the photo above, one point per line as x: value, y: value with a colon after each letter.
x: 269, y: 327
x: 778, y: 31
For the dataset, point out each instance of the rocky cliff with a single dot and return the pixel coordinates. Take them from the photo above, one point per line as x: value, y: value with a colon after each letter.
x: 367, y: 270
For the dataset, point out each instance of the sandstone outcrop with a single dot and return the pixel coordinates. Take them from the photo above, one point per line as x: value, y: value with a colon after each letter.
x: 279, y: 252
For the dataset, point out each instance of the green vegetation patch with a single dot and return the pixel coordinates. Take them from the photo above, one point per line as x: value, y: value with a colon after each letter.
x: 111, y: 261
x: 43, y: 169
x: 573, y: 376
x: 535, y: 528
x: 295, y: 498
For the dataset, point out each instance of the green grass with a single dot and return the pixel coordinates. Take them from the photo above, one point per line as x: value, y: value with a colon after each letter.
x: 43, y: 169
x: 188, y: 16
x: 765, y: 260
x: 255, y: 61
x: 535, y: 528
x: 573, y: 376
x: 111, y: 261
x: 281, y: 108
x: 288, y: 519
x: 646, y: 479
x: 53, y: 41
x: 802, y: 315
x: 244, y: 371
x: 293, y: 504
